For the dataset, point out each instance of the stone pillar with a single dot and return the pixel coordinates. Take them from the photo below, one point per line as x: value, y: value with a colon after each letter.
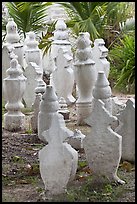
x: 63, y: 76
x: 100, y: 53
x: 14, y: 86
x: 58, y: 160
x: 126, y: 128
x: 103, y: 146
x: 85, y: 76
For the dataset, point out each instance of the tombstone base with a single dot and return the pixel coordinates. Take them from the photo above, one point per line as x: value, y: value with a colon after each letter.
x: 14, y: 122
x: 83, y: 110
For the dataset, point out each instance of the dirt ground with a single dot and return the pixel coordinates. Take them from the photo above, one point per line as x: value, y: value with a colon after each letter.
x: 21, y: 181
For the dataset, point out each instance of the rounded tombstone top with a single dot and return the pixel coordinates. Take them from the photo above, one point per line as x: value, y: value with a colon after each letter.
x: 83, y: 40
x: 31, y: 40
x: 12, y: 35
x: 49, y: 101
x: 102, y: 90
x: 60, y: 25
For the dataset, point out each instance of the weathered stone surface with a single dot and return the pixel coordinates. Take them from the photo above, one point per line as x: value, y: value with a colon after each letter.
x: 126, y: 128
x: 76, y: 140
x: 103, y: 147
x: 99, y: 53
x: 58, y: 160
x: 14, y: 86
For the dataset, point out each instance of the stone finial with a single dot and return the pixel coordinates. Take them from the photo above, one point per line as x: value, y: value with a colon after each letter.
x: 14, y: 86
x: 57, y: 158
x: 102, y: 91
x: 103, y: 147
x: 126, y: 128
x: 84, y: 50
x: 48, y: 106
x: 12, y: 35
x: 61, y: 32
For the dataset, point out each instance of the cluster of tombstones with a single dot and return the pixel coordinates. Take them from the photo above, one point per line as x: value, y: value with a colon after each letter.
x: 112, y: 123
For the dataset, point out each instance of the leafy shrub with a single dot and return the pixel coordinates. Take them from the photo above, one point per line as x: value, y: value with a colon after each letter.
x: 122, y: 64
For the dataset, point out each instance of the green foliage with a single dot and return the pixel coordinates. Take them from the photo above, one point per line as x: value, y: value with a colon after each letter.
x: 122, y: 59
x: 46, y: 41
x: 29, y: 16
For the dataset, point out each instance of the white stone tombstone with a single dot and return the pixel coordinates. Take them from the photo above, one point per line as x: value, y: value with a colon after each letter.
x: 63, y: 76
x: 12, y: 38
x: 126, y: 128
x: 32, y: 72
x: 58, y: 160
x: 34, y: 118
x: 14, y: 86
x: 85, y: 76
x: 32, y: 52
x: 49, y: 105
x: 103, y: 147
x: 60, y: 40
x: 100, y: 53
x: 102, y: 91
x: 39, y: 91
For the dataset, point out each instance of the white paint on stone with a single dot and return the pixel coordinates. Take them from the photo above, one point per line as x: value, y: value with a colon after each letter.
x: 63, y: 76
x: 14, y: 86
x: 58, y: 160
x: 100, y: 52
x: 34, y: 118
x: 63, y: 109
x: 32, y: 73
x: 102, y: 91
x: 85, y: 76
x: 49, y: 105
x: 76, y: 140
x: 32, y: 52
x: 126, y: 128
x: 103, y: 147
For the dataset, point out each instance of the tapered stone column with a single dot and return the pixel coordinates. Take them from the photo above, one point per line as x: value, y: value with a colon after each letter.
x: 85, y: 76
x: 14, y: 86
